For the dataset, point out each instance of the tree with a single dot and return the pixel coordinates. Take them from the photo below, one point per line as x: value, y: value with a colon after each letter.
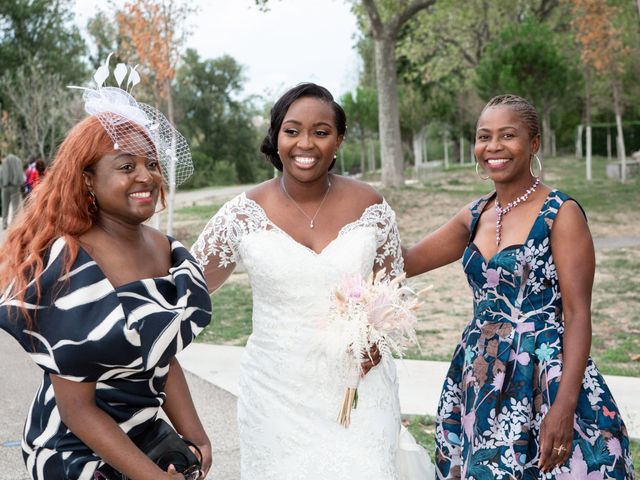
x: 602, y: 52
x: 154, y: 30
x: 220, y: 128
x: 41, y: 104
x: 40, y: 52
x: 362, y: 112
x: 385, y: 20
x: 525, y: 60
x: 104, y: 34
x: 41, y: 32
x: 441, y: 48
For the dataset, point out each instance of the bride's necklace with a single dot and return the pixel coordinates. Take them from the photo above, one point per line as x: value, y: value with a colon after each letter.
x: 311, y: 219
x: 501, y: 212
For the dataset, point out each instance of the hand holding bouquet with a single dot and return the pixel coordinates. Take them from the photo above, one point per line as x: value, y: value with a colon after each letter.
x: 366, y: 314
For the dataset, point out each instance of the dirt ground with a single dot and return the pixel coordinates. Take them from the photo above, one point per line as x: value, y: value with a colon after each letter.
x: 448, y: 306
x: 616, y: 293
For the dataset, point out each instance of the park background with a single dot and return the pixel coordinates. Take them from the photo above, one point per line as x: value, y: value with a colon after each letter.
x: 421, y: 74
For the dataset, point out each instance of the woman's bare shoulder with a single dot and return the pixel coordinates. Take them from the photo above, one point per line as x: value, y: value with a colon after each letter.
x: 260, y: 192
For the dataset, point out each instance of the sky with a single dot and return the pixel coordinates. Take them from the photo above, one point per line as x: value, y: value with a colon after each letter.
x: 295, y: 41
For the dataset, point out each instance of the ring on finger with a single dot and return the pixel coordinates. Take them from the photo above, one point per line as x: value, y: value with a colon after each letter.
x: 559, y: 450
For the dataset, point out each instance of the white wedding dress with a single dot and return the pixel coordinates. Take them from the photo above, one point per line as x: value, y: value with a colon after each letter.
x: 290, y: 392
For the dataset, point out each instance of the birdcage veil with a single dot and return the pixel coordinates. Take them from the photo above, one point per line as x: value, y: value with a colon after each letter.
x: 137, y: 128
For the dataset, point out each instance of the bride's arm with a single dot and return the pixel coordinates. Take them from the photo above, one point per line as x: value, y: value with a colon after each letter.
x: 216, y: 249
x: 388, y: 257
x: 389, y: 253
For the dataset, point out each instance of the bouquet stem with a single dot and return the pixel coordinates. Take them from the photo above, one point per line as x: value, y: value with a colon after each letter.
x: 349, y: 402
x: 350, y: 397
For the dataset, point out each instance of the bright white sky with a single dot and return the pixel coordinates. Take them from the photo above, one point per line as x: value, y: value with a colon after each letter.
x: 295, y: 41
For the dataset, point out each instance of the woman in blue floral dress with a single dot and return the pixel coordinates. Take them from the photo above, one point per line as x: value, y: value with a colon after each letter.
x: 522, y: 398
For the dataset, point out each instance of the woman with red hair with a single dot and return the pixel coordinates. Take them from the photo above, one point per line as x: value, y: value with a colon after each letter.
x: 103, y: 303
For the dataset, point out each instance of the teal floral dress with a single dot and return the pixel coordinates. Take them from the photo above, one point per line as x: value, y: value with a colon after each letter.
x: 505, y: 372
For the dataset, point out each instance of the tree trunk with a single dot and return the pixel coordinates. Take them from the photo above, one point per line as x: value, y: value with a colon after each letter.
x: 608, y: 145
x: 554, y: 151
x: 445, y: 145
x: 418, y: 146
x: 372, y: 155
x: 589, y: 157
x: 622, y: 154
x: 579, y: 153
x: 363, y: 153
x: 172, y: 165
x: 388, y: 113
x: 425, y: 145
x: 587, y: 115
x: 461, y: 149
x: 546, y: 132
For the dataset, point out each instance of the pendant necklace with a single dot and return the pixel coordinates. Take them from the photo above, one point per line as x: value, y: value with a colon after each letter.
x: 311, y: 219
x: 501, y: 212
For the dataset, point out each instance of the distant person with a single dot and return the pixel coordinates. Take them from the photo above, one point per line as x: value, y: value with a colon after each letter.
x: 31, y: 165
x: 522, y: 399
x: 11, y: 180
x: 36, y: 174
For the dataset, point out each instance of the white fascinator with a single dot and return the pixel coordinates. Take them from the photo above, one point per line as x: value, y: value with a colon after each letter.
x: 134, y: 127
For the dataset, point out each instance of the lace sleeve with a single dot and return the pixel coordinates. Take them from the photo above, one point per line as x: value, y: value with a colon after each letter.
x: 216, y: 249
x: 388, y: 255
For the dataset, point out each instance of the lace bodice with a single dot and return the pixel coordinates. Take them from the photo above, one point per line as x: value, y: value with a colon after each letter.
x: 220, y: 240
x: 289, y: 393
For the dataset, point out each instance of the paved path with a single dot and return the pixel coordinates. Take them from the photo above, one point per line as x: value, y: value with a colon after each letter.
x: 420, y: 381
x: 20, y: 378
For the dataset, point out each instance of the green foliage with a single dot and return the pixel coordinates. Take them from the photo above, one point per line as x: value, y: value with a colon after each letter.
x: 104, y: 34
x: 423, y: 429
x: 231, y: 322
x: 523, y: 60
x: 361, y: 110
x: 210, y: 172
x: 41, y: 32
x: 218, y: 125
x: 38, y: 38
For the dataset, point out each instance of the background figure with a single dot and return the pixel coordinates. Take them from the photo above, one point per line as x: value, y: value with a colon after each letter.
x: 28, y: 172
x: 35, y: 175
x: 11, y: 180
x: 522, y: 398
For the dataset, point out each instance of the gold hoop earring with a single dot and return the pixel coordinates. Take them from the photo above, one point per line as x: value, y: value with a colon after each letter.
x: 478, y: 172
x: 535, y: 155
x: 93, y: 205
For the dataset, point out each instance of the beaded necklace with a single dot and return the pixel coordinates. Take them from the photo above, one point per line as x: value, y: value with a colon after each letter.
x: 501, y: 212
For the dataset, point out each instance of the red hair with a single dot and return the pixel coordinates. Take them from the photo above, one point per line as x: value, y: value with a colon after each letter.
x: 58, y: 207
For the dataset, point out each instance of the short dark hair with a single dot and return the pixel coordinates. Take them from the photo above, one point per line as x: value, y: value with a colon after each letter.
x: 270, y: 143
x: 522, y: 106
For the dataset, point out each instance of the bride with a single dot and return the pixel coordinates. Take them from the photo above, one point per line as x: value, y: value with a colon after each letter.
x: 296, y: 236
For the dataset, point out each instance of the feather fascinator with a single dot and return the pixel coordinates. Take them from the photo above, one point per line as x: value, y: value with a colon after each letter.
x: 134, y: 127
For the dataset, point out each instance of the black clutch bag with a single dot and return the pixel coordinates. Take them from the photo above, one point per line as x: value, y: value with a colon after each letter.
x: 162, y: 444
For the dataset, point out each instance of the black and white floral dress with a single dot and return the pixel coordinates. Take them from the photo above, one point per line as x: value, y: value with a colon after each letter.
x: 121, y: 338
